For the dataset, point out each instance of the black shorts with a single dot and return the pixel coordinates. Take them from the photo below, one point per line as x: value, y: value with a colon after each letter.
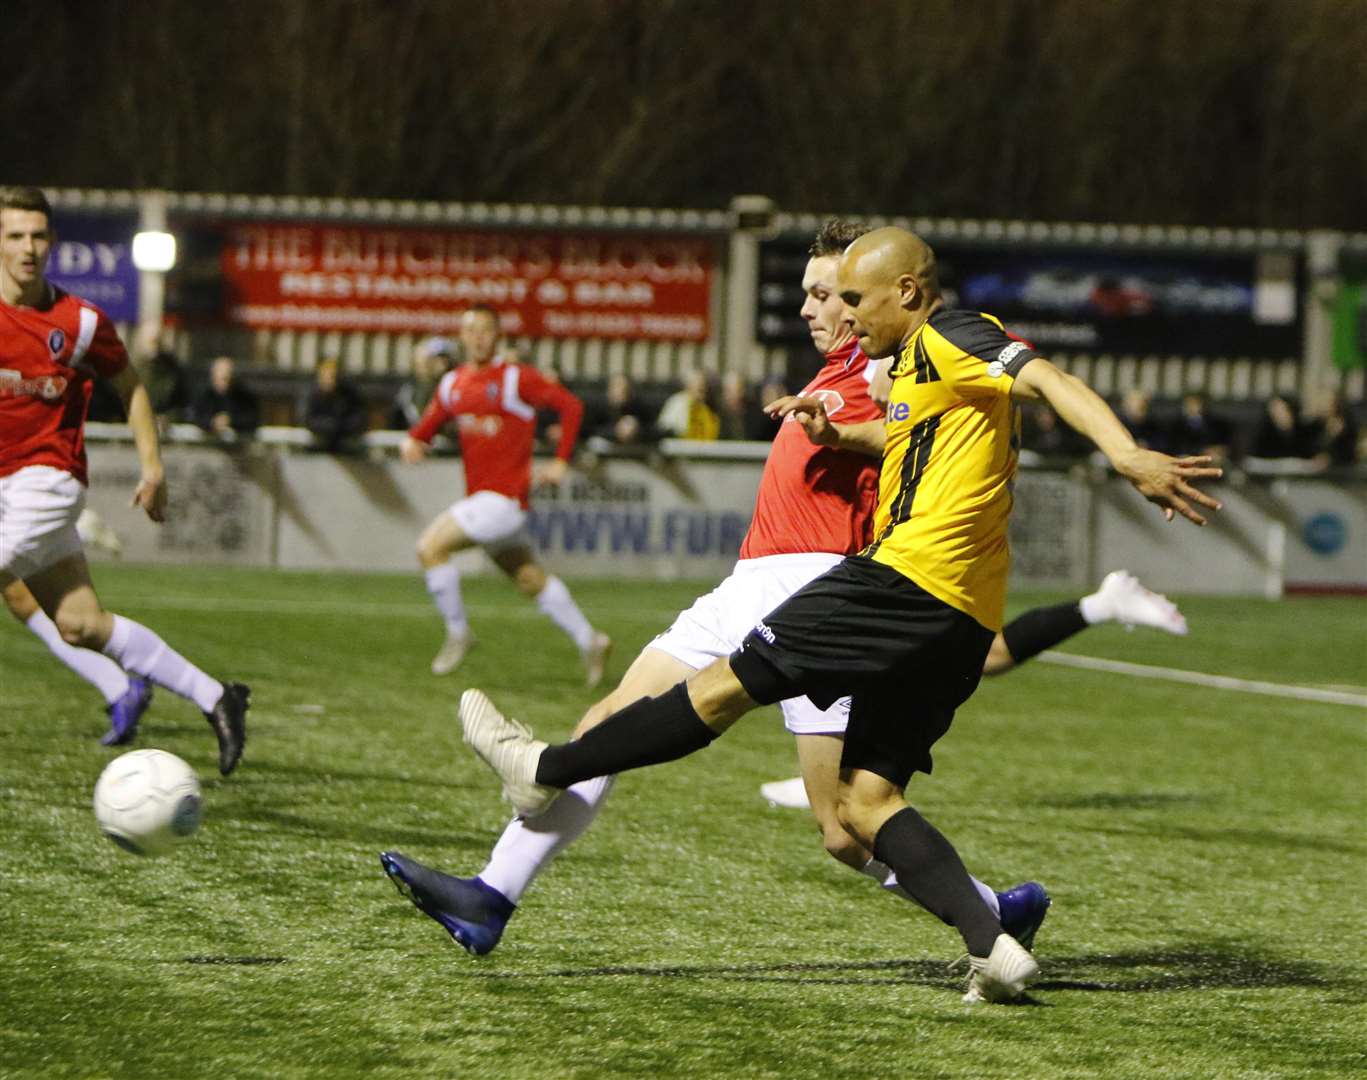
x: 906, y: 658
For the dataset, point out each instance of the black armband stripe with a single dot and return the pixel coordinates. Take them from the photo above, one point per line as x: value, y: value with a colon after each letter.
x: 978, y: 336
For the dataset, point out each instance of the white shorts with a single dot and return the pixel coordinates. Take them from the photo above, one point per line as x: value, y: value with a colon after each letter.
x: 493, y: 521
x: 717, y: 623
x: 39, y: 506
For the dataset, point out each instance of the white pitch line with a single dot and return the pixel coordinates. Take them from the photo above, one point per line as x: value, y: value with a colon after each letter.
x: 1201, y: 678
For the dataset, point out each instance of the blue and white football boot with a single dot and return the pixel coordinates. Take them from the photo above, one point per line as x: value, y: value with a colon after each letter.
x: 473, y: 913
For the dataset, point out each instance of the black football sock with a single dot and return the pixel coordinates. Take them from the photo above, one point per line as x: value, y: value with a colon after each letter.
x: 649, y: 732
x: 1041, y: 628
x: 928, y: 867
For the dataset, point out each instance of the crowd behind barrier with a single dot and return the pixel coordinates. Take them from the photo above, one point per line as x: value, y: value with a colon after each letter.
x: 338, y: 410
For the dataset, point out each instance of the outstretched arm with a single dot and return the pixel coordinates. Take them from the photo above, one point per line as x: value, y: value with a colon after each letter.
x: 865, y: 438
x: 150, y: 493
x: 1163, y: 480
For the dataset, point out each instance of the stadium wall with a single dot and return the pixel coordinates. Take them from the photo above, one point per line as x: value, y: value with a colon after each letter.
x: 683, y: 515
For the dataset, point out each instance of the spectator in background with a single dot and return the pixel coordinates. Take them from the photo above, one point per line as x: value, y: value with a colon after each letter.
x: 1134, y: 414
x: 432, y: 359
x: 335, y: 411
x: 163, y: 374
x: 740, y: 413
x: 1280, y: 433
x: 1045, y: 435
x: 686, y: 413
x: 225, y: 406
x: 1334, y: 439
x: 1195, y: 431
x: 622, y: 419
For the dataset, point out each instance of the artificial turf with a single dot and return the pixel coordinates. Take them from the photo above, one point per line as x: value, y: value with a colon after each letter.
x: 1205, y: 849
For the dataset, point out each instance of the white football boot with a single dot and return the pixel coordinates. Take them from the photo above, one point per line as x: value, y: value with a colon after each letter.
x: 1125, y: 600
x: 508, y: 748
x: 790, y: 794
x: 451, y: 653
x: 1003, y: 976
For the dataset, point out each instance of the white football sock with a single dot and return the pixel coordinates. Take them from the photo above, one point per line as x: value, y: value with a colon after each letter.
x: 882, y: 873
x: 95, y: 668
x: 555, y: 600
x: 443, y: 583
x: 529, y: 844
x: 139, y: 650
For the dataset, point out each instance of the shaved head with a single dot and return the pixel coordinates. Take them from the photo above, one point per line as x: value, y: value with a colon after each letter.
x: 893, y: 252
x: 889, y: 284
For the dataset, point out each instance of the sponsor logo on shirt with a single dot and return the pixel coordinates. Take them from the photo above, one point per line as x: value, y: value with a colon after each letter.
x: 762, y: 629
x: 47, y: 387
x: 1005, y: 357
x: 470, y: 424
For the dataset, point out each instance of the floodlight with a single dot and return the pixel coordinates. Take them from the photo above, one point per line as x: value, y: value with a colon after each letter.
x: 154, y: 251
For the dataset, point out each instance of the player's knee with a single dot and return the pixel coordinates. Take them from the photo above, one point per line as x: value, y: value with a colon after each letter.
x: 530, y: 579
x: 429, y: 554
x: 841, y: 846
x: 80, y: 629
x: 856, y: 817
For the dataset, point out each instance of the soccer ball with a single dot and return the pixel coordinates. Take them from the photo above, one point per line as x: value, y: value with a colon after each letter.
x: 147, y: 801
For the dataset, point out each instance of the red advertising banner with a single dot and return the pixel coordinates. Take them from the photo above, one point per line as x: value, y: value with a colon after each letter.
x: 576, y: 285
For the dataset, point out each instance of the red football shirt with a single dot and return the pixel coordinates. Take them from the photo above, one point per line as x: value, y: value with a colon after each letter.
x: 817, y: 498
x: 48, y: 357
x: 495, y: 411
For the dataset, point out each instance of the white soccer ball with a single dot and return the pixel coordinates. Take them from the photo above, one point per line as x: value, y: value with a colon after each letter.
x: 147, y: 801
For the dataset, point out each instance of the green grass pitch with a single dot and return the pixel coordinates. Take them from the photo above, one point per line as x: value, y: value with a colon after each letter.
x: 1205, y: 849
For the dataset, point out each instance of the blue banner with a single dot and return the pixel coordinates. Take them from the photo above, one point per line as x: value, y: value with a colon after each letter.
x: 93, y: 259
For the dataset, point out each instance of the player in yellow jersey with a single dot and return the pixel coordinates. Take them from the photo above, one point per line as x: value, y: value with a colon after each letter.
x: 904, y: 626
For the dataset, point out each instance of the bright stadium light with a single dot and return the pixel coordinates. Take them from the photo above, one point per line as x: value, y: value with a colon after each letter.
x: 154, y: 251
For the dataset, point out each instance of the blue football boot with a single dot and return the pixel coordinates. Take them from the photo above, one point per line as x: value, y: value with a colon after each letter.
x: 125, y: 713
x: 473, y: 913
x: 1023, y: 909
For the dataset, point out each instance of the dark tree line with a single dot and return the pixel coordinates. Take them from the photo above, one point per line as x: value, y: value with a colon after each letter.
x: 1244, y: 112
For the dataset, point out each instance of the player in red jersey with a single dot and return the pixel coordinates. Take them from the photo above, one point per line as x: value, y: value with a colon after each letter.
x: 814, y: 506
x: 52, y: 345
x: 493, y: 401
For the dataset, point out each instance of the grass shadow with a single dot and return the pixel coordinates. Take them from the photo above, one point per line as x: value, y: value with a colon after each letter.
x: 1158, y: 970
x: 1139, y: 800
x: 377, y: 835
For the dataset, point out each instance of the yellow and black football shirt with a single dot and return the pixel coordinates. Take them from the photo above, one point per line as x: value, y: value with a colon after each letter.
x: 944, y: 492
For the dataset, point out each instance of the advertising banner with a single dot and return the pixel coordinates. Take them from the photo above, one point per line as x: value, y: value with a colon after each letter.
x: 1127, y: 303
x: 1350, y: 321
x: 557, y: 285
x: 93, y: 259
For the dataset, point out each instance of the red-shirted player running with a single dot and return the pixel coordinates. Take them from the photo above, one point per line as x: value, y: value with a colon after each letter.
x: 814, y: 506
x: 493, y: 402
x: 52, y: 345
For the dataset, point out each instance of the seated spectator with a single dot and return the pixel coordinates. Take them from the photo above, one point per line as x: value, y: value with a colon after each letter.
x: 225, y: 406
x: 1195, y: 431
x: 1043, y: 433
x: 1333, y: 438
x: 1280, y: 434
x: 432, y: 359
x: 686, y: 414
x: 740, y: 413
x: 335, y: 411
x: 1134, y: 414
x: 622, y: 418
